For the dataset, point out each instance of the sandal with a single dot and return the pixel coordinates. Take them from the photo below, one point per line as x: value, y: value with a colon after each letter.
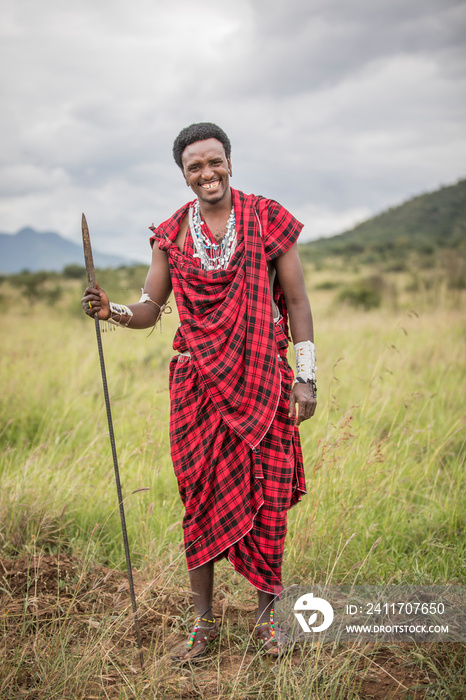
x: 271, y: 644
x: 198, y: 643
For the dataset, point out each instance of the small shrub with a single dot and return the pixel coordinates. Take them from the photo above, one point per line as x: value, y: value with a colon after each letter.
x: 454, y: 265
x: 74, y: 272
x: 396, y: 266
x: 53, y: 295
x: 364, y: 293
x: 328, y: 284
x: 30, y: 283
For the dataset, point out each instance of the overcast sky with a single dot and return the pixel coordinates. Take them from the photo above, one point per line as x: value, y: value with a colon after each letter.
x: 336, y: 108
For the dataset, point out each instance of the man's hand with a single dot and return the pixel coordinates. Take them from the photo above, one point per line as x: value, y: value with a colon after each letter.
x: 96, y: 300
x: 302, y: 402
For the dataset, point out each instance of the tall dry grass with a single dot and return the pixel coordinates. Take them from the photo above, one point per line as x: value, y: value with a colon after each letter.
x: 384, y: 460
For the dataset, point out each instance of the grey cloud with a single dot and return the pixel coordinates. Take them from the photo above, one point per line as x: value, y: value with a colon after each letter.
x: 333, y: 107
x: 320, y: 44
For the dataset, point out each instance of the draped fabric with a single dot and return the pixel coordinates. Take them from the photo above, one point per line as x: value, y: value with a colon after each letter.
x: 236, y: 454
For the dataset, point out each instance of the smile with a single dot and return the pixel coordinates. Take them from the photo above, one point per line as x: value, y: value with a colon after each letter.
x: 210, y: 185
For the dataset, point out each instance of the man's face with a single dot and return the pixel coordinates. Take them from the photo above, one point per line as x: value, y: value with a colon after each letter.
x: 206, y: 170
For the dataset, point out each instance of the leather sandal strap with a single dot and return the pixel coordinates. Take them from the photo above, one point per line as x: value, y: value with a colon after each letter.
x: 196, y: 639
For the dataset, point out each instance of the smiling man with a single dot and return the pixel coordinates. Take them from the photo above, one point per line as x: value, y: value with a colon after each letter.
x: 231, y: 260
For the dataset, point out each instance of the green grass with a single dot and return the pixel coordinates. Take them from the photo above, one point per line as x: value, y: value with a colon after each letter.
x: 384, y: 459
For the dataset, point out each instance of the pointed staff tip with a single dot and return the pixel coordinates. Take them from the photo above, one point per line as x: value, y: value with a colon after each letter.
x: 88, y: 253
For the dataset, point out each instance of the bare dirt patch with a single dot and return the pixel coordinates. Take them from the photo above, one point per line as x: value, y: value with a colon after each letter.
x: 68, y: 633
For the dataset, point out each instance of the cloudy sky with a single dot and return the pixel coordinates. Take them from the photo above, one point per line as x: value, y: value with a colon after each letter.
x: 336, y: 108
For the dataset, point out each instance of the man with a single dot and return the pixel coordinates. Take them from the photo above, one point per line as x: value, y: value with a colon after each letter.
x: 232, y: 261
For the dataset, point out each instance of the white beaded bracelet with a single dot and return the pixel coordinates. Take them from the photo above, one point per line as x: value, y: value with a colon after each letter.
x: 121, y: 310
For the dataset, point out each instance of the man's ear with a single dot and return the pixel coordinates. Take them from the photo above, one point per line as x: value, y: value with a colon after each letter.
x: 230, y: 169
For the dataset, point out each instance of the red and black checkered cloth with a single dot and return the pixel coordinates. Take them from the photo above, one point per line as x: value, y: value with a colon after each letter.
x: 236, y: 453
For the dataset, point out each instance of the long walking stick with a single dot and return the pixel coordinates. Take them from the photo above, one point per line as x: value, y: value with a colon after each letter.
x: 91, y: 281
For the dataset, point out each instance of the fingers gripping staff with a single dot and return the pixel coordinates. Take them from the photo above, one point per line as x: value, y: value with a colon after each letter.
x: 91, y: 280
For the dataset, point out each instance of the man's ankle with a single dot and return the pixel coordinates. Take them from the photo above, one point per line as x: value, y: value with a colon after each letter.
x: 206, y: 620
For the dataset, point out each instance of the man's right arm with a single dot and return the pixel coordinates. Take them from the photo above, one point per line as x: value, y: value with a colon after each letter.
x: 145, y: 314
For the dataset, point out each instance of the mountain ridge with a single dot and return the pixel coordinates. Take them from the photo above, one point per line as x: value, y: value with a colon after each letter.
x: 31, y: 250
x: 423, y: 223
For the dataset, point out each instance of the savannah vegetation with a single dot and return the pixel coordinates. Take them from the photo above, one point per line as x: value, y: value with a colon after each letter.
x: 384, y: 460
x: 420, y: 228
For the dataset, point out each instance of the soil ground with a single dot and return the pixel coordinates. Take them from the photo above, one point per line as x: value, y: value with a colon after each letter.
x: 87, y: 612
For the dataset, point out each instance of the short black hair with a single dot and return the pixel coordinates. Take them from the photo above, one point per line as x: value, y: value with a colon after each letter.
x: 199, y: 132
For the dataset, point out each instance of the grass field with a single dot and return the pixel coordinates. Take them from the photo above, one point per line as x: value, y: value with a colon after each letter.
x: 384, y: 460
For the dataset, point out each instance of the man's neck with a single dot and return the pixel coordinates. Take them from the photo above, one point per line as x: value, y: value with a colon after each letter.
x: 216, y: 215
x: 217, y: 210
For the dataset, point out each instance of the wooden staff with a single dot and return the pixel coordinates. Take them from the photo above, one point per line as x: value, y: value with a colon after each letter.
x: 91, y: 281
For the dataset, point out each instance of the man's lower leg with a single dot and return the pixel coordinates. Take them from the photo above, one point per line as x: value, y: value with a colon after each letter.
x: 264, y: 605
x: 202, y: 586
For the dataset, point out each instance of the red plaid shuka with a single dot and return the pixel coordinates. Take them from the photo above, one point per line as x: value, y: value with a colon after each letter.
x: 235, y: 452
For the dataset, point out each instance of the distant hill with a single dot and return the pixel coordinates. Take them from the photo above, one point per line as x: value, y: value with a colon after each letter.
x: 30, y: 250
x: 423, y: 224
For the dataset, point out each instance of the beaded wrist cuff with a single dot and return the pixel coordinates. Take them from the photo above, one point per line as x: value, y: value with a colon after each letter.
x: 120, y: 310
x: 305, y: 361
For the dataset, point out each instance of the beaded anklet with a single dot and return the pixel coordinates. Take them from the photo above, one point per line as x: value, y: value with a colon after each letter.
x: 270, y: 623
x: 196, y: 627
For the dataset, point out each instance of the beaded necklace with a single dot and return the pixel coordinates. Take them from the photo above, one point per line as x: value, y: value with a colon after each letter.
x: 213, y: 256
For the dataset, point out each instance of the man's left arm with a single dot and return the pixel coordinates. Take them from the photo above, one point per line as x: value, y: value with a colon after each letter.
x: 291, y: 279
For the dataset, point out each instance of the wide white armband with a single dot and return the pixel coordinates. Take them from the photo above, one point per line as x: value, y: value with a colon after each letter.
x: 305, y: 361
x: 145, y: 297
x: 164, y: 309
